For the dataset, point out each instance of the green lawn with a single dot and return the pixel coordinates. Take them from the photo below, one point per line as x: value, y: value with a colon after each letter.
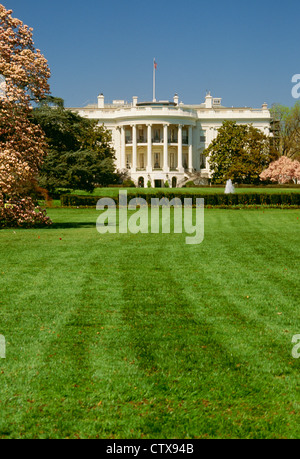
x: 143, y: 336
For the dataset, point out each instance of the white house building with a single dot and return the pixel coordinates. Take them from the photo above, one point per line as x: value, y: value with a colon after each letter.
x: 162, y: 141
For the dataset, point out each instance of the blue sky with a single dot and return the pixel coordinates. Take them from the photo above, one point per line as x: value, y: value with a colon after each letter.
x: 244, y: 52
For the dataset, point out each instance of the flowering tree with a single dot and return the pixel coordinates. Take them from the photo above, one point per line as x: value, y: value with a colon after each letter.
x: 283, y: 170
x: 24, y: 77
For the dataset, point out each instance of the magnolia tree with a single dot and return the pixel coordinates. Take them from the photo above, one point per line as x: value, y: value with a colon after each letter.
x: 283, y: 170
x: 24, y: 77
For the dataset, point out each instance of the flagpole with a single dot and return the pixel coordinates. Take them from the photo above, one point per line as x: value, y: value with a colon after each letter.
x: 154, y: 100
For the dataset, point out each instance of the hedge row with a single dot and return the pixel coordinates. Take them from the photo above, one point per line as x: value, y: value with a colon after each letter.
x: 217, y: 199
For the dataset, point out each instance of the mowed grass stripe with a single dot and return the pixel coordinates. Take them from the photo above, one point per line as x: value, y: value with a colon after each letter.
x: 145, y: 306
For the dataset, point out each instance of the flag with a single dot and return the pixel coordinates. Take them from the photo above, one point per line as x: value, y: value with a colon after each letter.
x: 155, y: 64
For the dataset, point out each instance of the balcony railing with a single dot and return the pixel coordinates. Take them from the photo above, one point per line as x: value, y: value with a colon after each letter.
x: 185, y: 140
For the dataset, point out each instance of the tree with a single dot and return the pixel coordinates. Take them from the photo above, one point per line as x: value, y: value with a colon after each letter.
x: 239, y: 152
x: 80, y: 155
x: 284, y: 170
x: 24, y: 79
x: 286, y: 129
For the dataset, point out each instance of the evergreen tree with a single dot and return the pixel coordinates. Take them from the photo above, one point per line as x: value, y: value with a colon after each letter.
x: 80, y: 155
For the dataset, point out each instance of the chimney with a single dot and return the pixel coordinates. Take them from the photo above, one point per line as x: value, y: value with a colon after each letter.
x: 208, y: 100
x: 176, y: 99
x: 101, y: 101
x: 264, y: 106
x: 134, y: 101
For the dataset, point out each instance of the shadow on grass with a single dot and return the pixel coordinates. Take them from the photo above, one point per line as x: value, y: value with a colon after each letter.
x: 65, y: 225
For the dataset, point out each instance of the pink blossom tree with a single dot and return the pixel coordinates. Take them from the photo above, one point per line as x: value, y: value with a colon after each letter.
x: 283, y: 170
x: 24, y: 75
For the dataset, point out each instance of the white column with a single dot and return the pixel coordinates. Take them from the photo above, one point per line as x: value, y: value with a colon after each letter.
x: 149, y: 148
x: 190, y: 165
x: 166, y: 161
x: 134, y: 148
x: 123, y: 148
x: 179, y: 165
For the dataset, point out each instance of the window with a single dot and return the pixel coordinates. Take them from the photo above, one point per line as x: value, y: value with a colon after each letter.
x: 156, y: 160
x: 185, y: 160
x: 156, y: 135
x: 202, y: 137
x: 142, y: 161
x: 173, y: 136
x: 172, y: 161
x: 128, y: 136
x: 185, y: 139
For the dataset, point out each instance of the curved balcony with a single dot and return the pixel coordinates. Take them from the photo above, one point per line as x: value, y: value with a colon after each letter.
x: 161, y: 114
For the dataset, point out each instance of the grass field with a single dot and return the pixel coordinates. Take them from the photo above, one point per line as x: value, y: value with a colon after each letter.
x: 143, y: 336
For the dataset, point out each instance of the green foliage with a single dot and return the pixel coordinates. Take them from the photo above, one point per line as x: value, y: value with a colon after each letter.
x: 79, y: 151
x: 149, y: 184
x: 239, y: 153
x: 210, y: 200
x: 167, y: 184
x: 189, y: 184
x: 286, y: 129
x: 128, y: 184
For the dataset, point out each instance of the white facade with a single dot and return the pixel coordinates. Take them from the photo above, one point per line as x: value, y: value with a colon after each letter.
x: 163, y: 141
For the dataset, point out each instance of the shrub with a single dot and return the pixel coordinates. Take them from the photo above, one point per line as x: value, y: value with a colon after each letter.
x: 190, y: 184
x: 128, y: 184
x: 210, y: 200
x: 22, y: 214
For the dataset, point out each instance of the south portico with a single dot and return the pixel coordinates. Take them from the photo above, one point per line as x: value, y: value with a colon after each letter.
x: 157, y: 150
